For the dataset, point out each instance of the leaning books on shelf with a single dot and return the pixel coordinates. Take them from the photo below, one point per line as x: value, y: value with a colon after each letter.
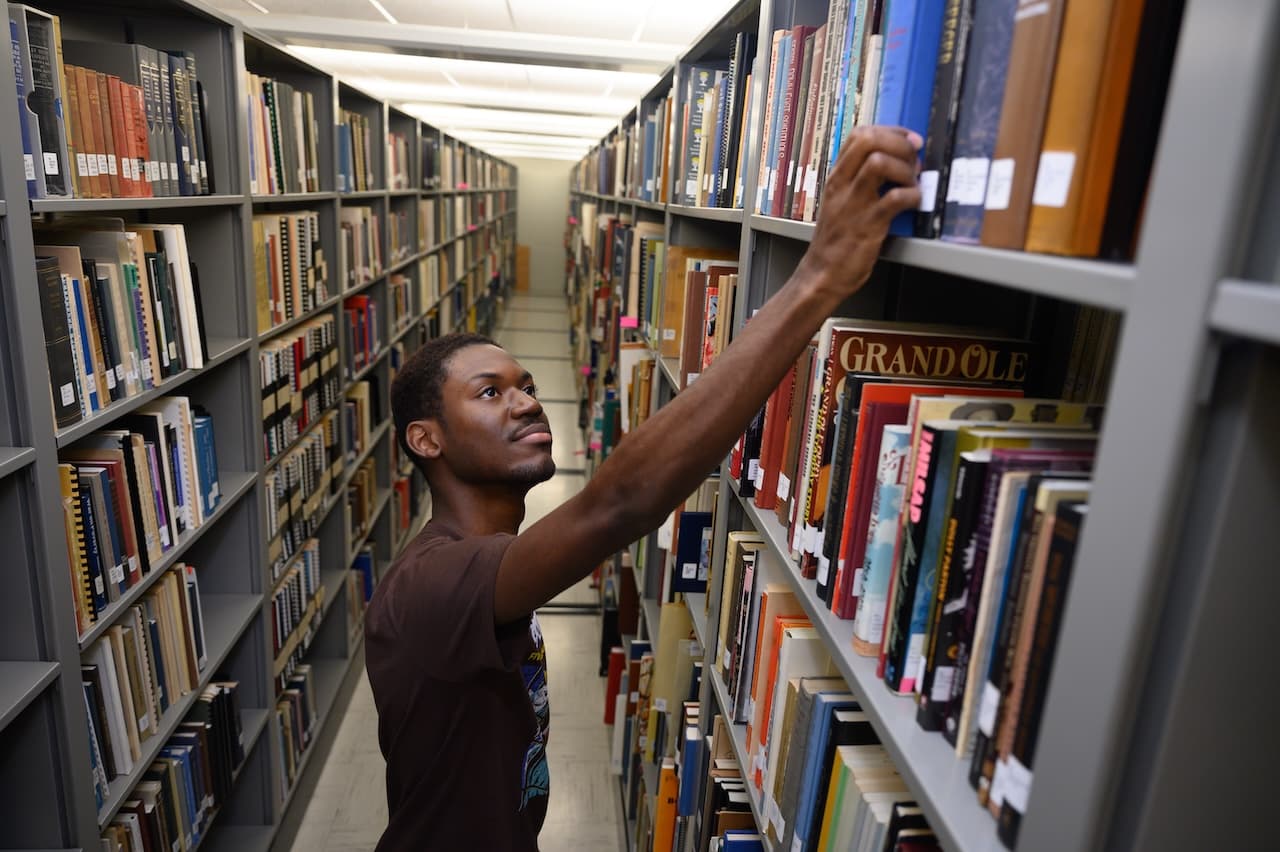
x: 355, y: 153
x: 179, y: 794
x: 283, y: 137
x: 295, y: 721
x: 293, y: 603
x: 104, y: 120
x: 363, y: 329
x: 359, y: 246
x: 128, y: 495
x: 398, y: 160
x: 951, y: 515
x: 121, y: 311
x: 400, y: 236
x: 290, y: 272
x: 404, y: 297
x: 299, y: 375
x: 144, y: 664
x: 1022, y: 107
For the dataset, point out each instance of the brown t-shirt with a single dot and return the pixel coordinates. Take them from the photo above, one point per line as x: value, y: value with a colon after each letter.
x: 462, y: 702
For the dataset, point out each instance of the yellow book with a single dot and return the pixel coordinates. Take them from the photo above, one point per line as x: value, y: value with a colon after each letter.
x: 835, y: 795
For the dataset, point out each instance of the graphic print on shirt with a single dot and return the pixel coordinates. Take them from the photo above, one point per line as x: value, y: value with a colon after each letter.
x: 537, y: 776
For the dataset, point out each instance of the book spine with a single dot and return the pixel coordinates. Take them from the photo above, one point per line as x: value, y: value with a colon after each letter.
x: 45, y: 99
x: 64, y: 384
x: 948, y: 83
x: 1032, y: 58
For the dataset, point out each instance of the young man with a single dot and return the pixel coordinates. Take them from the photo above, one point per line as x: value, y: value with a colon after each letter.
x: 454, y: 653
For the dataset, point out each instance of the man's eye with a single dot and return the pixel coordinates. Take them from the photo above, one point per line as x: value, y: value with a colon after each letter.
x: 531, y: 390
x: 489, y: 392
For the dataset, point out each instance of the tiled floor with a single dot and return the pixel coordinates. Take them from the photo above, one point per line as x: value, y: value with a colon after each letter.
x: 349, y: 809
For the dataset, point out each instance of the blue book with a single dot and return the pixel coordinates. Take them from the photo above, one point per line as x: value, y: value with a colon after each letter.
x: 912, y: 32
x: 27, y: 121
x: 845, y: 93
x: 157, y: 652
x: 206, y: 462
x: 690, y: 761
x: 689, y: 576
x: 182, y: 756
x: 95, y: 752
x: 97, y: 574
x: 978, y: 121
x: 118, y: 573
x: 176, y: 81
x: 825, y: 705
x: 86, y: 346
x: 742, y: 840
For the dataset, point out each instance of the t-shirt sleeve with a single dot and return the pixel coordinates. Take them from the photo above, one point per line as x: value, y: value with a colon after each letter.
x: 445, y: 606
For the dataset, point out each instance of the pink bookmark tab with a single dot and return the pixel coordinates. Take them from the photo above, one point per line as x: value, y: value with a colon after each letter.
x: 628, y: 322
x: 586, y: 369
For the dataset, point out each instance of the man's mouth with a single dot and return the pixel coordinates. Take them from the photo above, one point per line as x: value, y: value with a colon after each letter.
x: 534, y: 433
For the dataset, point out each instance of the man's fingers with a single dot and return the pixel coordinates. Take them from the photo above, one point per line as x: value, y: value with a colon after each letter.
x: 864, y: 141
x: 898, y: 200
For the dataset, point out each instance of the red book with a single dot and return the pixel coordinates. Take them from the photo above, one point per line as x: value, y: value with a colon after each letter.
x: 776, y: 414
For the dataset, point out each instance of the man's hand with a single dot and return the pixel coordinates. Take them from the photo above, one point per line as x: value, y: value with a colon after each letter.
x: 855, y: 215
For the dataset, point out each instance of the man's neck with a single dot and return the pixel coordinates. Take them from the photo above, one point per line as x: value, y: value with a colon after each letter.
x: 478, y: 510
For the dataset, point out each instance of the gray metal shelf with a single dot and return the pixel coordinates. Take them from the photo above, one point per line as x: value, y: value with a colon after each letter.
x: 652, y: 615
x: 221, y: 350
x: 696, y: 602
x: 361, y: 194
x: 324, y: 306
x: 110, y: 205
x: 713, y: 214
x: 14, y: 459
x: 20, y: 684
x: 237, y: 484
x: 1247, y: 309
x: 292, y: 197
x: 670, y: 368
x: 939, y: 779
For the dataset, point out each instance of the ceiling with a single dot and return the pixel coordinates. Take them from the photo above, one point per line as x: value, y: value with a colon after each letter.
x: 531, y: 78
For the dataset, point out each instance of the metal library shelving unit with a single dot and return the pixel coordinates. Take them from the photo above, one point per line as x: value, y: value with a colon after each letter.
x: 49, y: 800
x: 1155, y: 710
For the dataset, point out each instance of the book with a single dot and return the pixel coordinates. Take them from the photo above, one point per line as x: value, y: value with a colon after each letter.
x: 957, y: 21
x: 1032, y: 59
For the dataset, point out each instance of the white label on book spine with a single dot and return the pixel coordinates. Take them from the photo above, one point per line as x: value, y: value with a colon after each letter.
x: 753, y: 472
x: 51, y: 164
x: 113, y: 166
x: 68, y: 393
x: 110, y: 376
x: 164, y: 169
x: 1000, y: 184
x: 635, y: 696
x: 999, y: 780
x: 943, y: 676
x: 957, y: 176
x: 668, y: 334
x: 173, y: 169
x: 928, y: 190
x: 29, y: 166
x: 987, y: 709
x: 164, y: 536
x: 91, y: 160
x: 98, y: 586
x: 797, y: 844
x: 1017, y: 785
x: 859, y: 580
x: 689, y: 571
x: 119, y: 372
x: 775, y: 817
x: 784, y: 486
x: 117, y: 574
x: 824, y: 570
x: 1053, y: 179
x: 971, y: 188
x: 912, y: 669
x: 660, y: 704
x: 103, y: 168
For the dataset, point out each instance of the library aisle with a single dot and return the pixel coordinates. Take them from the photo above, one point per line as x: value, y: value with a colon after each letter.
x: 349, y: 810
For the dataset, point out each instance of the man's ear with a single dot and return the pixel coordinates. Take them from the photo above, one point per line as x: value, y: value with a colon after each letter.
x: 425, y: 438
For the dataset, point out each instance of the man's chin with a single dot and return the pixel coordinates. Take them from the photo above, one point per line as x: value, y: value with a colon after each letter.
x: 535, y: 473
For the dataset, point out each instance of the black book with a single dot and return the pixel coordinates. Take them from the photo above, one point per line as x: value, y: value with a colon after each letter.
x: 64, y: 385
x: 43, y: 100
x: 207, y: 177
x: 955, y: 569
x: 93, y: 679
x: 203, y: 341
x: 1053, y: 600
x: 846, y: 429
x: 199, y: 136
x: 957, y: 21
x: 744, y: 54
x: 106, y: 333
x: 905, y: 816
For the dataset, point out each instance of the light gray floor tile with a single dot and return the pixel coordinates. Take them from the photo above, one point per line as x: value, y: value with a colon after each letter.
x: 535, y: 344
x: 537, y: 303
x: 535, y: 320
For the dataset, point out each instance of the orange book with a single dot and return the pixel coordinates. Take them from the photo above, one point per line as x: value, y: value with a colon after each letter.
x: 87, y: 87
x: 664, y: 820
x: 141, y: 141
x: 122, y: 137
x: 780, y: 625
x: 112, y: 174
x: 1082, y: 132
x: 776, y: 601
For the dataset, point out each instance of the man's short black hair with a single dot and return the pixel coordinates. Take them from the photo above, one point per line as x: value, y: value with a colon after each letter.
x: 416, y: 391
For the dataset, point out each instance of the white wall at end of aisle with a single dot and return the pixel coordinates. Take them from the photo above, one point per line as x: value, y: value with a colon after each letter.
x: 540, y: 204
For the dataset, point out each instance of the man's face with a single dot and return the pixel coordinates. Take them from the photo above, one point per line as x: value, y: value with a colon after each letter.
x: 494, y: 429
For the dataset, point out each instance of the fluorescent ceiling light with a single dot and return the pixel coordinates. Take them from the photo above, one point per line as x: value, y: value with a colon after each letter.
x: 485, y: 137
x: 420, y: 94
x: 382, y: 10
x: 438, y: 115
x: 565, y: 156
x: 263, y: 9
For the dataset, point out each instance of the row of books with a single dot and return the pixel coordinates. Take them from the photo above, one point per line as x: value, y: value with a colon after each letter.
x: 138, y: 670
x: 1023, y: 108
x: 290, y: 270
x: 362, y: 498
x: 404, y: 296
x: 448, y: 165
x: 106, y: 120
x: 408, y: 493
x: 400, y: 237
x: 355, y: 153
x: 295, y: 593
x: 184, y: 788
x: 283, y: 137
x: 299, y: 375
x: 129, y: 493
x: 363, y: 330
x: 360, y: 582
x: 121, y: 312
x: 398, y: 160
x: 359, y: 246
x: 717, y: 103
x: 295, y: 722
x: 442, y: 219
x: 296, y: 490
